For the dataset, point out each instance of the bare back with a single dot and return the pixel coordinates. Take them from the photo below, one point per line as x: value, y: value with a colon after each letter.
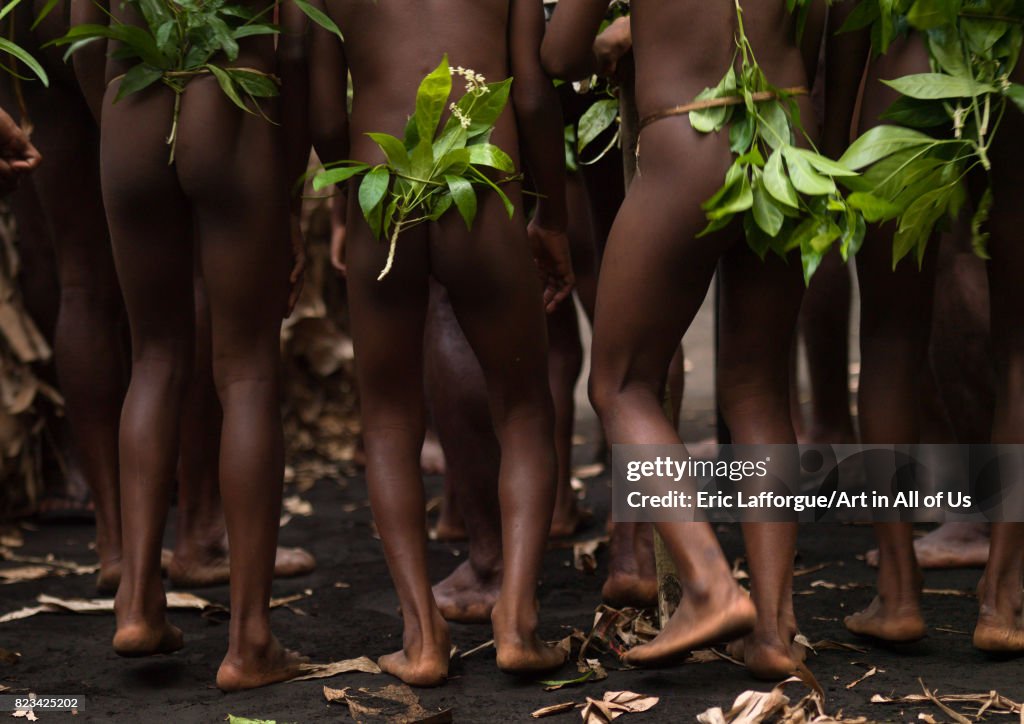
x: 684, y: 46
x: 390, y: 45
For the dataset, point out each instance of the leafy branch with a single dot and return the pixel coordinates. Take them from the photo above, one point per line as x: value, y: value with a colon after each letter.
x: 786, y: 195
x: 184, y: 39
x: 434, y: 167
x: 946, y: 121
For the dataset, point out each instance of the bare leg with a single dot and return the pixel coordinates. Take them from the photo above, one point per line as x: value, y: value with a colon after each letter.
x: 894, y: 342
x: 496, y: 299
x: 201, y: 546
x: 894, y: 346
x: 634, y: 343
x: 243, y: 232
x: 825, y: 327
x: 87, y: 339
x: 152, y: 246
x: 753, y: 391
x: 459, y: 403
x: 387, y: 329
x: 1000, y: 628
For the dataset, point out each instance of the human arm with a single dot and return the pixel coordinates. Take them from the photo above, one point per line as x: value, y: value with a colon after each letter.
x: 293, y: 67
x: 541, y: 137
x: 568, y: 49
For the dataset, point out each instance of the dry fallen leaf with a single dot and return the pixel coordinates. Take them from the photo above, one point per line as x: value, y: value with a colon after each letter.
x: 614, y: 704
x: 867, y: 675
x: 755, y: 707
x: 51, y: 604
x: 797, y: 572
x: 26, y: 573
x: 966, y: 593
x: 334, y: 694
x: 324, y: 671
x: 295, y: 505
x: 26, y: 714
x: 393, y: 703
x: 553, y: 709
x: 588, y: 471
x: 991, y: 701
x: 9, y: 657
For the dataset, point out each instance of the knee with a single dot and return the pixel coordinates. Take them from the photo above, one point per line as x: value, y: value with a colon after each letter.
x: 606, y: 389
x: 246, y: 375
x: 162, y: 363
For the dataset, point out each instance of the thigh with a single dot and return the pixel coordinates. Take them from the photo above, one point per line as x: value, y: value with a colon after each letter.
x: 230, y: 166
x: 760, y: 303
x: 655, y: 272
x: 387, y: 321
x: 494, y: 288
x: 149, y: 217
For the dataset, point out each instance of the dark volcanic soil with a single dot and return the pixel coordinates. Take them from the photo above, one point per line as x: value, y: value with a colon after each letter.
x: 71, y: 654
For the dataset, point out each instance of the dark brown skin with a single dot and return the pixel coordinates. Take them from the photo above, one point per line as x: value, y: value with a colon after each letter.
x: 88, y: 332
x: 224, y: 202
x: 492, y: 284
x: 675, y: 59
x: 88, y: 337
x: 893, y: 348
x: 894, y: 343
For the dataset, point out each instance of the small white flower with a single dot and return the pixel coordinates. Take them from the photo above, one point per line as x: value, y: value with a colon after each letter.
x: 464, y: 120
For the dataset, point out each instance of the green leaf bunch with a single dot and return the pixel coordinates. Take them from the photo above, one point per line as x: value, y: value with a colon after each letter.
x: 183, y: 39
x: 943, y: 125
x: 786, y: 196
x: 435, y: 166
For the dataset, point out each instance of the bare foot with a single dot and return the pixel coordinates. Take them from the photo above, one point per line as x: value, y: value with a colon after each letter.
x: 421, y: 662
x: 275, y: 664
x: 898, y: 624
x: 1000, y: 629
x: 431, y: 455
x: 519, y: 649
x: 722, y: 614
x: 467, y: 596
x: 768, y: 658
x: 109, y: 577
x: 996, y: 635
x: 951, y: 545
x: 141, y: 639
x: 215, y: 569
x: 632, y: 578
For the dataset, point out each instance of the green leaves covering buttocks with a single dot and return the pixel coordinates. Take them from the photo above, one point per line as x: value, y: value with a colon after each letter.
x: 917, y: 179
x: 182, y: 39
x: 786, y: 196
x: 435, y: 167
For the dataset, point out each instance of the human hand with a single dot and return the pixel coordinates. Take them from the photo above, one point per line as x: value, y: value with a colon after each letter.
x: 554, y: 263
x: 611, y: 45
